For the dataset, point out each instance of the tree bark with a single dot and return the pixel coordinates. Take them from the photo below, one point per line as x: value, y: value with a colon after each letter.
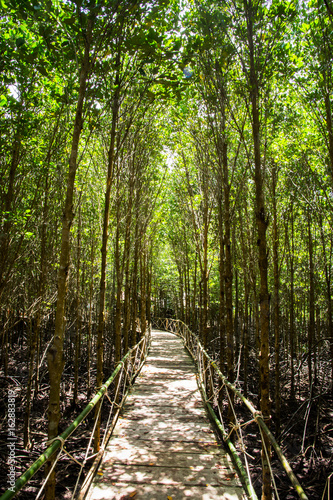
x: 55, y: 355
x: 311, y: 327
x: 276, y: 305
x: 5, y: 266
x: 36, y: 332
x: 134, y: 302
x: 89, y: 339
x: 328, y: 292
x: 329, y: 126
x: 78, y: 313
x: 262, y: 224
x: 119, y: 280
x: 292, y: 318
x: 105, y: 237
x: 143, y: 267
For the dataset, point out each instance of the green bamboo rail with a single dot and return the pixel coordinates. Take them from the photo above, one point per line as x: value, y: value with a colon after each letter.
x: 57, y: 443
x: 188, y: 341
x: 232, y: 450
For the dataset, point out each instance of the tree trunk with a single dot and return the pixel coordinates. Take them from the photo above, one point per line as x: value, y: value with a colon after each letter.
x: 292, y: 319
x: 55, y: 355
x: 7, y: 208
x: 78, y: 313
x: 245, y: 335
x: 149, y: 284
x: 228, y: 273
x: 262, y: 224
x: 329, y: 126
x: 89, y: 340
x: 204, y: 277
x: 126, y: 264
x: 119, y: 280
x: 276, y: 306
x: 328, y: 292
x: 134, y: 302
x: 127, y: 315
x: 143, y: 257
x: 105, y: 237
x: 222, y: 306
x: 194, y: 322
x: 181, y: 292
x: 36, y: 332
x: 311, y: 327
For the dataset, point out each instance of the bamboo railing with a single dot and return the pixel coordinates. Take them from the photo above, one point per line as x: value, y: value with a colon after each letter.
x: 211, y: 381
x: 124, y: 374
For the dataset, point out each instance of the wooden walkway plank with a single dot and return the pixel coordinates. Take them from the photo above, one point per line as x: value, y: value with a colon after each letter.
x: 163, y: 446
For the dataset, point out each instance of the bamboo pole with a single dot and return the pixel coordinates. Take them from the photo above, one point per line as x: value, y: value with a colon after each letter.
x: 283, y: 459
x: 232, y: 451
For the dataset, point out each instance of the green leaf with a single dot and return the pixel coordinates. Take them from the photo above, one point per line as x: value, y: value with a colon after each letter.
x: 3, y: 100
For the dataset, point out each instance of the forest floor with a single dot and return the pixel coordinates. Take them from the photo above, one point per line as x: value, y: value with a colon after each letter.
x: 306, y: 437
x: 307, y: 443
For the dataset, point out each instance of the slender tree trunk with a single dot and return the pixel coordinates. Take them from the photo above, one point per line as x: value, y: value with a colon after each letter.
x: 204, y: 277
x: 256, y: 319
x: 149, y: 284
x: 185, y: 292
x: 262, y: 224
x: 236, y: 318
x: 105, y: 237
x: 126, y: 263
x: 36, y: 332
x: 187, y: 283
x: 78, y: 314
x: 7, y: 206
x: 182, y: 288
x: 246, y: 335
x: 127, y: 314
x: 247, y: 288
x: 316, y: 349
x: 89, y: 340
x: 329, y: 126
x: 134, y: 304
x: 55, y: 355
x: 311, y: 327
x: 143, y: 292
x: 222, y: 305
x: 292, y: 319
x: 228, y: 273
x: 194, y: 325
x: 276, y: 307
x: 328, y: 293
x: 136, y: 259
x: 119, y: 279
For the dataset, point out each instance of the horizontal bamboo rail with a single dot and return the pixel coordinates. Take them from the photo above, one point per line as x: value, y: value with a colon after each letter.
x: 232, y: 451
x: 131, y: 357
x: 193, y: 345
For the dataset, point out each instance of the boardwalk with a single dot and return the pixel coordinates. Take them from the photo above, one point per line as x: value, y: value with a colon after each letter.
x: 163, y: 446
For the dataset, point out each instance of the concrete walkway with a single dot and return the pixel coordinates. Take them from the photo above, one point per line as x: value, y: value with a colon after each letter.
x: 163, y: 446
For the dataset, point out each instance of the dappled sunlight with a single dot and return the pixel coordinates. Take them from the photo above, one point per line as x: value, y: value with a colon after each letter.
x: 105, y: 492
x: 163, y: 445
